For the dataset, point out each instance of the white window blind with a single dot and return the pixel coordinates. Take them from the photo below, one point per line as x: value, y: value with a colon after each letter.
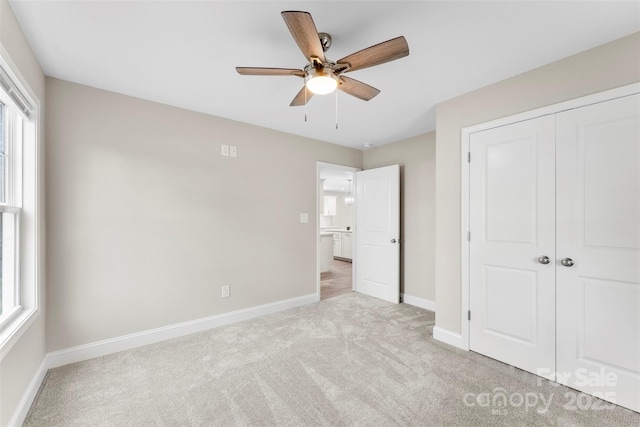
x: 15, y: 93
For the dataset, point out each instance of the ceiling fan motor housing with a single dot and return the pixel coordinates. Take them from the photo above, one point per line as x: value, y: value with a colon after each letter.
x: 325, y: 41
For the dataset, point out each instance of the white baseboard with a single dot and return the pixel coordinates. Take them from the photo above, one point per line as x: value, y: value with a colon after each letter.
x: 127, y: 342
x: 427, y: 304
x: 29, y: 396
x: 449, y: 337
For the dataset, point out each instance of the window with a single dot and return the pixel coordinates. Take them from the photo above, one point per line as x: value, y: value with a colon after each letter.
x: 19, y: 219
x: 10, y: 147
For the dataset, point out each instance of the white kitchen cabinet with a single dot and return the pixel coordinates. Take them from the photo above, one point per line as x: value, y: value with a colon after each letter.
x: 337, y: 244
x: 326, y: 255
x: 342, y: 247
x: 329, y: 205
x: 346, y: 246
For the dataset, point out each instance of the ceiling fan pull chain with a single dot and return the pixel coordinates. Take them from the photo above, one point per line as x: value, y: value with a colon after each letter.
x: 305, y: 105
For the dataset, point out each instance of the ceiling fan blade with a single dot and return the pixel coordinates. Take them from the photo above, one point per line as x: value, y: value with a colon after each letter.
x: 263, y: 71
x: 378, y: 54
x: 357, y: 88
x: 304, y: 32
x: 300, y: 98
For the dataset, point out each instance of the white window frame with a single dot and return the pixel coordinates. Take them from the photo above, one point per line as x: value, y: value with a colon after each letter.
x: 21, y: 200
x: 13, y: 137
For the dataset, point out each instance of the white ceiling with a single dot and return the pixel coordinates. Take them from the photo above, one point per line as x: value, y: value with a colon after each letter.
x: 184, y: 53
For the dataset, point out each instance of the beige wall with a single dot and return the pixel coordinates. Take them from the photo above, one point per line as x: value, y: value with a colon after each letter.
x: 605, y: 67
x: 21, y: 363
x: 416, y: 157
x: 147, y: 221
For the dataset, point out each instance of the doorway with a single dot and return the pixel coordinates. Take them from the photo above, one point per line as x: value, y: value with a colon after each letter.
x: 338, y: 280
x: 335, y: 229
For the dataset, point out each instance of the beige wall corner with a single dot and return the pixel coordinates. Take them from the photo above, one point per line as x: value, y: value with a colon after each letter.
x: 416, y: 157
x: 21, y: 364
x: 604, y: 67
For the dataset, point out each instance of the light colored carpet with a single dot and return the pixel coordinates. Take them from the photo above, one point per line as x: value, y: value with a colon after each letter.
x: 349, y: 360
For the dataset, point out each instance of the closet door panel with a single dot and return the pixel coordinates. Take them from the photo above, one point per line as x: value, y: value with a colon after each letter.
x: 598, y: 229
x: 512, y: 213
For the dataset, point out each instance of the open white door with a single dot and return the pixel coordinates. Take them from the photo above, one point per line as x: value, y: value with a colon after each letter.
x: 378, y: 233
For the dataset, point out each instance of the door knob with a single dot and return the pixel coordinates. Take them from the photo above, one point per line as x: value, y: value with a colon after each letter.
x: 393, y: 240
x: 544, y: 259
x: 567, y: 262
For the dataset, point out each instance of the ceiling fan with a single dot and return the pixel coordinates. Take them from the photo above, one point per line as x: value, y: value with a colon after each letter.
x: 321, y: 75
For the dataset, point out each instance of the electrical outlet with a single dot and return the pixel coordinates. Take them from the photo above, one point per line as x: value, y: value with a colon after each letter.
x: 224, y: 150
x: 225, y: 292
x: 233, y: 151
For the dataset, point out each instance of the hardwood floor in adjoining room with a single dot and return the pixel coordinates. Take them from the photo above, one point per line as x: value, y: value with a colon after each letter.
x: 336, y: 281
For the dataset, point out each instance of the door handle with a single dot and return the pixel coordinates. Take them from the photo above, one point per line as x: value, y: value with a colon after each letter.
x: 393, y: 240
x: 544, y: 259
x: 567, y: 262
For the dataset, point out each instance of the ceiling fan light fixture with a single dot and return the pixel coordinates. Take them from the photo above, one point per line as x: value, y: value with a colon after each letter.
x: 321, y: 75
x: 321, y: 81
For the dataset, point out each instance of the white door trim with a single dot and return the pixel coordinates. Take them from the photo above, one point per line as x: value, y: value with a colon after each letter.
x: 319, y: 167
x: 464, y: 179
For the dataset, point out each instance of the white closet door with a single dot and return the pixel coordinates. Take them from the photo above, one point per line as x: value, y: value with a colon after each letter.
x: 512, y: 221
x: 598, y: 212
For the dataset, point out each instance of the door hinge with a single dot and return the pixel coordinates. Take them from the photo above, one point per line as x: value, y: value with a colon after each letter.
x: 469, y: 157
x: 468, y: 236
x: 469, y: 315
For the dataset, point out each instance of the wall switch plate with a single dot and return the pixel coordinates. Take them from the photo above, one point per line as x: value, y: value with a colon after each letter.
x: 233, y: 151
x: 225, y: 292
x: 224, y: 150
x: 304, y: 218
